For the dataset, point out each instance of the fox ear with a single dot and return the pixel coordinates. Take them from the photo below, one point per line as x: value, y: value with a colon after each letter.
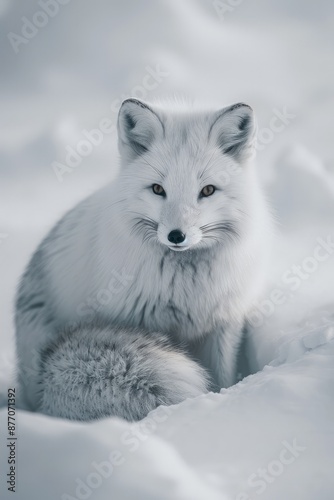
x: 138, y: 126
x: 234, y: 130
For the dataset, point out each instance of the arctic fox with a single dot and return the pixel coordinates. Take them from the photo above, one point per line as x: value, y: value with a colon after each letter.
x: 138, y: 296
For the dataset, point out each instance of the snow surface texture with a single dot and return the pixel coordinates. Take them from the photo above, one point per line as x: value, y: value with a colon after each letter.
x: 272, y: 435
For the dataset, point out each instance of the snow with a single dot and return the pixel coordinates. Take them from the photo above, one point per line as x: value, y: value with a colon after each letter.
x: 276, y: 423
x: 214, y: 447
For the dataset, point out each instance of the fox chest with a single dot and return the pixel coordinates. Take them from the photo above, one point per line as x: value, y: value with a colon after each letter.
x: 183, y: 298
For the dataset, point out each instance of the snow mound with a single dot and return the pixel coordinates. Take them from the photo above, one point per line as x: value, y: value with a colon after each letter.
x: 258, y: 437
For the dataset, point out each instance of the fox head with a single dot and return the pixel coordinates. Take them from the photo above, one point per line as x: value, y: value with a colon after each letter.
x: 186, y: 174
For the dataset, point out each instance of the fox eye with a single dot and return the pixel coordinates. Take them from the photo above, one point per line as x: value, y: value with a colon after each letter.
x: 159, y: 190
x: 208, y: 190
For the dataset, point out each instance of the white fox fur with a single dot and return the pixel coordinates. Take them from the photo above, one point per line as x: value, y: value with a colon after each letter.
x: 112, y: 317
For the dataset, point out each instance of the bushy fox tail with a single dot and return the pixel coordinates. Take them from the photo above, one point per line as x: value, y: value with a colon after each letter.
x: 100, y: 371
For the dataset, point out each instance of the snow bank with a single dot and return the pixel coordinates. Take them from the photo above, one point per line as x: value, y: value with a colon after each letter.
x: 270, y: 435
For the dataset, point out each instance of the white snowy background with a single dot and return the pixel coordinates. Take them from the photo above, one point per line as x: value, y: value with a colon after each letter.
x: 272, y: 435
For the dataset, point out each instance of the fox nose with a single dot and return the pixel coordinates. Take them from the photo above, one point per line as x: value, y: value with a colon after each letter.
x: 176, y: 236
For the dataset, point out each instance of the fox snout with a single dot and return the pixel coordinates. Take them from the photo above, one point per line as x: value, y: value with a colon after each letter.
x: 180, y: 238
x: 176, y: 237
